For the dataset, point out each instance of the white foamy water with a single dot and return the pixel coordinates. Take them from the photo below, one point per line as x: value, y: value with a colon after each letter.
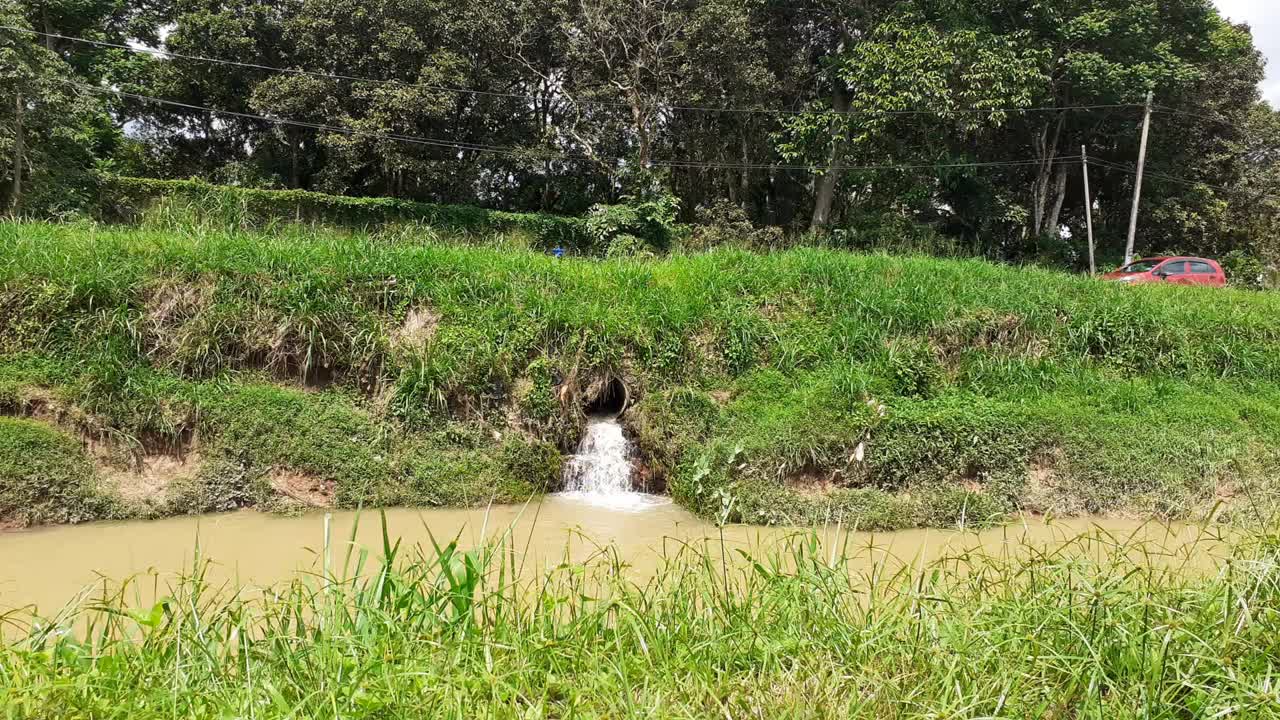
x: 600, y: 473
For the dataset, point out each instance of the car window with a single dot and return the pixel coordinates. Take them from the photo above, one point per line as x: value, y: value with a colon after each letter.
x: 1202, y: 268
x: 1141, y: 266
x: 1174, y: 268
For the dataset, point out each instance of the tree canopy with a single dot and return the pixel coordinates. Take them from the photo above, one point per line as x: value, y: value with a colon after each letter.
x: 964, y: 115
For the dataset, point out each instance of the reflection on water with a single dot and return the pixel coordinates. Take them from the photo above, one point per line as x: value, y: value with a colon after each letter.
x: 48, y: 567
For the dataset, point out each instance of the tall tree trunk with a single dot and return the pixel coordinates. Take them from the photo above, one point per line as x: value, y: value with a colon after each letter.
x: 1047, y: 149
x: 546, y: 185
x: 771, y: 199
x: 19, y: 149
x: 825, y: 189
x: 640, y: 117
x: 544, y: 122
x: 48, y: 28
x: 1059, y: 196
x: 295, y: 181
x: 744, y: 187
x: 730, y: 180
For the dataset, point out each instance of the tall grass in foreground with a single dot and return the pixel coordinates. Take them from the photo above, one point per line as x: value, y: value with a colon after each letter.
x: 1101, y: 627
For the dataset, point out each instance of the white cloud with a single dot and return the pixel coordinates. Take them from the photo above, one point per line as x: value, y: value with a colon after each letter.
x: 1264, y: 17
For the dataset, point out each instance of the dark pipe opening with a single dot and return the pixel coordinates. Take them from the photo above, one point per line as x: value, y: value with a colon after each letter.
x: 610, y: 401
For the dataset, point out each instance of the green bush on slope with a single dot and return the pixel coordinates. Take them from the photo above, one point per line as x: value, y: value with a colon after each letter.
x: 45, y: 476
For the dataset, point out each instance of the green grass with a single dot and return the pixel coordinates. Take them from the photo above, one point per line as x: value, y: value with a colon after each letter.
x: 791, y: 387
x: 184, y: 203
x: 1101, y: 627
x: 45, y: 476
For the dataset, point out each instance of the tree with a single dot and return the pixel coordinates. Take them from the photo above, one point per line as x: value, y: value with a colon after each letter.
x: 961, y: 72
x: 726, y: 62
x: 965, y: 62
x: 1251, y: 227
x: 629, y: 52
x: 962, y: 115
x: 192, y: 141
x: 52, y: 129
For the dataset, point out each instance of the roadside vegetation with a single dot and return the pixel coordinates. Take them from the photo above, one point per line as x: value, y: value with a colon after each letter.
x: 1100, y: 627
x: 843, y: 119
x: 189, y: 368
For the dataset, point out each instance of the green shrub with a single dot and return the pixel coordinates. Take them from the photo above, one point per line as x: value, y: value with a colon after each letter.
x: 957, y: 507
x: 531, y: 467
x: 627, y: 246
x: 914, y: 370
x: 669, y: 422
x: 725, y: 224
x: 1245, y: 270
x: 259, y: 428
x: 955, y: 438
x: 445, y: 477
x: 649, y: 223
x: 890, y: 231
x: 46, y: 477
x: 222, y: 484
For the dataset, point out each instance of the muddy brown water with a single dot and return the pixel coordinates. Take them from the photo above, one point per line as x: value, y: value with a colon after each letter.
x: 45, y: 569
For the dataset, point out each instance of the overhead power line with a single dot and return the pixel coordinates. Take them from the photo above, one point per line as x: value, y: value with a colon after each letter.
x: 1158, y: 175
x: 1174, y: 111
x: 532, y: 153
x: 525, y: 96
x: 1217, y: 119
x: 1255, y: 196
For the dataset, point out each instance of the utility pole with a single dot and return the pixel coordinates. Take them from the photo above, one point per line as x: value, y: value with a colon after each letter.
x: 1088, y: 206
x: 18, y: 150
x: 1137, y: 185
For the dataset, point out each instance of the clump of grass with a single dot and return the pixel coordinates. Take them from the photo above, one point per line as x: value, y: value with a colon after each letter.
x: 1098, y: 627
x: 45, y: 477
x: 921, y: 380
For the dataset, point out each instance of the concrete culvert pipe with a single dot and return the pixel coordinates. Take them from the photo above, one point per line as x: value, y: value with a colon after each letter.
x: 609, y: 398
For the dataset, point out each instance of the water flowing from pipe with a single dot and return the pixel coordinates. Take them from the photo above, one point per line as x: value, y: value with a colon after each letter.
x: 601, y: 471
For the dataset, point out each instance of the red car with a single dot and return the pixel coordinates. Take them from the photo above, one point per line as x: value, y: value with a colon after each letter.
x: 1175, y: 270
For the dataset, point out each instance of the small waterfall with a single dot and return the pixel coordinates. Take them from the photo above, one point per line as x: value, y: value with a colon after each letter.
x: 600, y: 472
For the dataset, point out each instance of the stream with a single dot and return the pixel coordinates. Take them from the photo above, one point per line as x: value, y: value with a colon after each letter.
x: 50, y: 567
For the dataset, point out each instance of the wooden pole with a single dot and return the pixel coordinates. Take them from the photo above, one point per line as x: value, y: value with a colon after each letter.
x: 19, y: 149
x: 1088, y: 207
x: 1137, y: 185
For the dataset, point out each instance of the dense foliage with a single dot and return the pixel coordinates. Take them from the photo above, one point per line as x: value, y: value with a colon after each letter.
x: 403, y: 367
x: 790, y: 113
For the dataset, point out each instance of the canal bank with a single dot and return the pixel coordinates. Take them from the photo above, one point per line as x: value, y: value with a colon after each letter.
x: 150, y: 372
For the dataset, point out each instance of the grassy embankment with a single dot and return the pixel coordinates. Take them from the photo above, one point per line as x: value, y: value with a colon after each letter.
x: 311, y: 367
x: 1104, y: 627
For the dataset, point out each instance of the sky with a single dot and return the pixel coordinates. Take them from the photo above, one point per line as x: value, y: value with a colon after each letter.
x: 1264, y: 17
